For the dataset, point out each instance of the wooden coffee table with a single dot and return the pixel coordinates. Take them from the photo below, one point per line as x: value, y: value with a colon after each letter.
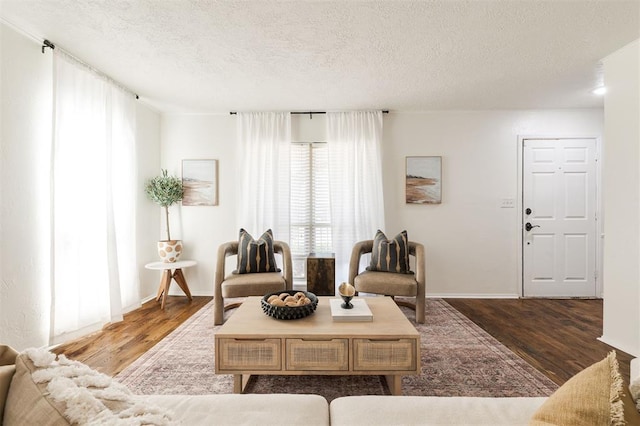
x: 251, y: 342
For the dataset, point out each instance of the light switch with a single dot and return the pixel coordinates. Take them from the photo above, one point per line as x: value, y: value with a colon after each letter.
x: 507, y: 203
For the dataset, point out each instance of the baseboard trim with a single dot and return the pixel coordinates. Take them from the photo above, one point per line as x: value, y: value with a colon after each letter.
x: 471, y: 296
x: 620, y: 346
x: 147, y: 299
x: 429, y: 296
x: 178, y: 292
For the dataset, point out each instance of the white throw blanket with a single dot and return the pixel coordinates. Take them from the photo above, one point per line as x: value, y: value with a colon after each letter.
x: 90, y: 396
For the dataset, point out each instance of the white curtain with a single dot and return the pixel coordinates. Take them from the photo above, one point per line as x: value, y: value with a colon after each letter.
x: 263, y: 149
x: 94, y: 186
x: 355, y: 172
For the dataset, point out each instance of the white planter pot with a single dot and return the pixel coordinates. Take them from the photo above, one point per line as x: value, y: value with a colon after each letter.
x: 169, y: 250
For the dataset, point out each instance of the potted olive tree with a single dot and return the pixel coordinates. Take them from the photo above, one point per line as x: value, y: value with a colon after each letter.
x: 166, y: 190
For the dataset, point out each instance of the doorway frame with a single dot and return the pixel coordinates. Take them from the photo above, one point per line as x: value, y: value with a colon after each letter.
x: 599, y: 212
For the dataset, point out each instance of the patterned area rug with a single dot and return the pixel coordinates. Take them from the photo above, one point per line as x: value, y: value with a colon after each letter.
x: 458, y: 359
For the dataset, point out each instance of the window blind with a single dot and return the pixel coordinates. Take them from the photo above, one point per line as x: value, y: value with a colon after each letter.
x: 309, y: 209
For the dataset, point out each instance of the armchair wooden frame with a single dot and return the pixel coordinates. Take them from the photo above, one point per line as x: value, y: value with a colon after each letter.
x: 417, y: 251
x: 231, y: 249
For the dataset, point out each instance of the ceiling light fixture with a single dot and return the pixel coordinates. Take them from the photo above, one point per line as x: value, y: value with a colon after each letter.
x: 599, y: 90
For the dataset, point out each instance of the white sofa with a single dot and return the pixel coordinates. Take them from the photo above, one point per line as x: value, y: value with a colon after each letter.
x: 289, y: 409
x: 38, y: 389
x: 432, y: 410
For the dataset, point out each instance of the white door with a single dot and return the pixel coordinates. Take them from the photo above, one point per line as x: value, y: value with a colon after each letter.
x: 559, y: 218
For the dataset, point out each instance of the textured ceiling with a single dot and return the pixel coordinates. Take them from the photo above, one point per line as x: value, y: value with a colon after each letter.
x: 217, y: 56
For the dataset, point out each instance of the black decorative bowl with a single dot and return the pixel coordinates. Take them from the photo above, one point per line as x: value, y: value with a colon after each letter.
x: 289, y: 312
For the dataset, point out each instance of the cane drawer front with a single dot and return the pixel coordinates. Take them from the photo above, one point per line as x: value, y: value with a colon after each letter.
x: 249, y: 354
x: 384, y: 355
x: 317, y: 355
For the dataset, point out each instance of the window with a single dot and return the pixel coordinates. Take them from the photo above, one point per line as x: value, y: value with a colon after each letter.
x: 310, y: 210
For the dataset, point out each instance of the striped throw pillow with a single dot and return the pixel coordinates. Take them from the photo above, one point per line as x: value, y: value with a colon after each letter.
x: 390, y: 255
x: 256, y: 256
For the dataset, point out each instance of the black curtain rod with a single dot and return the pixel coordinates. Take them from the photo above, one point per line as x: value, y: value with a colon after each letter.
x: 310, y: 112
x: 46, y: 43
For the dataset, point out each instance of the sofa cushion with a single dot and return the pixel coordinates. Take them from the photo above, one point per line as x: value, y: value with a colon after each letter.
x: 239, y: 285
x: 48, y: 391
x: 386, y: 283
x: 431, y: 410
x: 6, y: 374
x: 7, y: 369
x: 246, y: 409
x: 26, y: 401
x: 256, y: 255
x: 8, y: 355
x: 390, y: 255
x: 591, y: 397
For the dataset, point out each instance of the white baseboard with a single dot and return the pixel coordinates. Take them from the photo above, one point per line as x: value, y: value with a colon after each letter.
x: 178, y: 292
x: 471, y: 296
x: 460, y: 296
x: 635, y: 369
x: 429, y: 296
x: 618, y: 345
x: 146, y: 299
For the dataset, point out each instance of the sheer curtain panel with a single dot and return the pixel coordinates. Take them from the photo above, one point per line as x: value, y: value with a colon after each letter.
x: 94, y: 185
x: 355, y: 177
x: 263, y: 149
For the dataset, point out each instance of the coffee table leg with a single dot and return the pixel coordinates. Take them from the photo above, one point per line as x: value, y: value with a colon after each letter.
x: 237, y: 383
x: 395, y: 384
x: 240, y: 382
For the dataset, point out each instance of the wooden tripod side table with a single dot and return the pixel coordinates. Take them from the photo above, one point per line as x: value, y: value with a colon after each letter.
x: 167, y: 275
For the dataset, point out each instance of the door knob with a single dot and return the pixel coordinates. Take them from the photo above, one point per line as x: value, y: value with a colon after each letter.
x: 528, y: 226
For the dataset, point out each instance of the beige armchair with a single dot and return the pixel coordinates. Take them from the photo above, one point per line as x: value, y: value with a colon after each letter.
x: 389, y: 283
x: 255, y: 284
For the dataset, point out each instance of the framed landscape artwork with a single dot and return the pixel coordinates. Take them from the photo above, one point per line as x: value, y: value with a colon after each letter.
x: 423, y: 180
x: 200, y: 182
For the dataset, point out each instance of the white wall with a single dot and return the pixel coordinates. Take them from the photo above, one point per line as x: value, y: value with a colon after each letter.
x: 622, y: 200
x: 471, y: 243
x: 26, y: 128
x: 202, y: 228
x: 25, y: 117
x: 148, y: 219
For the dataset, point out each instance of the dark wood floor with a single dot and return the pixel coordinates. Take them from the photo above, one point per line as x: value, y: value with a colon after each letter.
x: 558, y: 337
